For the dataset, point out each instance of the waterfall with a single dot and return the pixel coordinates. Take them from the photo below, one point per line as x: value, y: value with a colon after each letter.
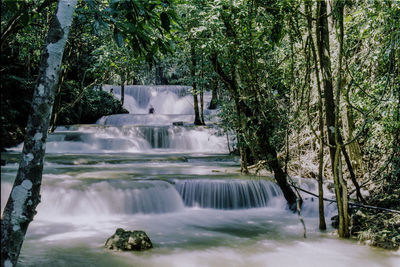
x: 169, y: 129
x: 105, y: 198
x: 166, y: 99
x: 134, y: 139
x: 227, y: 194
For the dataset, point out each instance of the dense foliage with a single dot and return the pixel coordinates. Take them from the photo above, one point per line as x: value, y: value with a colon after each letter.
x: 309, y: 88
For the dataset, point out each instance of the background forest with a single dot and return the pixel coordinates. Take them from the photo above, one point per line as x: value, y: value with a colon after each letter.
x: 309, y: 88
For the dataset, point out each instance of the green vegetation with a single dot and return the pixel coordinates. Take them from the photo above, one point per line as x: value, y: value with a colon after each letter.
x: 309, y: 89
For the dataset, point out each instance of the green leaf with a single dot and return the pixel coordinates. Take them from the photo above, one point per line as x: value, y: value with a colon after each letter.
x: 165, y: 22
x: 12, y: 5
x: 118, y: 37
x: 25, y: 18
x: 90, y: 3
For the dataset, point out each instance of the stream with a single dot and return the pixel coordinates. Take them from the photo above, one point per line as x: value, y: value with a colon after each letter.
x: 177, y: 183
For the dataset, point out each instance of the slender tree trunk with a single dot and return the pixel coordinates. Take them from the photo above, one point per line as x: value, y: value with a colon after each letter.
x: 214, y: 96
x: 197, y: 120
x: 240, y: 138
x: 344, y: 218
x: 122, y: 88
x: 323, y: 46
x: 25, y: 194
x: 322, y: 223
x: 202, y: 106
x: 202, y: 94
x: 331, y: 110
x: 354, y: 148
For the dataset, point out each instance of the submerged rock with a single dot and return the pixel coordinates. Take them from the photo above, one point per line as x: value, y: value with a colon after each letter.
x: 128, y: 240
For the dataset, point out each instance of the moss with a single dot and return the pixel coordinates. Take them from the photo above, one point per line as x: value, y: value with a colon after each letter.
x: 128, y: 240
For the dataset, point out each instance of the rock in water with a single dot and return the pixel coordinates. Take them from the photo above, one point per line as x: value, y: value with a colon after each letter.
x: 128, y: 240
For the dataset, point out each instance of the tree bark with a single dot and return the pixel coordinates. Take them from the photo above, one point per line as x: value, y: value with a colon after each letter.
x: 322, y: 33
x: 214, y: 95
x: 332, y: 108
x: 25, y: 194
x: 197, y: 120
x: 202, y: 95
x: 122, y: 88
x: 344, y: 218
x: 322, y: 223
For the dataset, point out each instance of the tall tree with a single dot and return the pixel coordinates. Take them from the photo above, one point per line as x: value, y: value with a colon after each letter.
x: 322, y: 223
x: 25, y: 195
x: 197, y: 120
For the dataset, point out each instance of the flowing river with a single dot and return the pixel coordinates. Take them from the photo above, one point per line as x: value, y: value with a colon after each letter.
x: 179, y: 184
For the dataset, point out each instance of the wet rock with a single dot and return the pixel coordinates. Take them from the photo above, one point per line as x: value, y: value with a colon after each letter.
x: 177, y: 123
x: 128, y: 240
x: 335, y: 221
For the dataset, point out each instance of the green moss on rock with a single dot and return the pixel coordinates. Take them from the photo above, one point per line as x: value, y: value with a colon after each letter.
x: 128, y: 240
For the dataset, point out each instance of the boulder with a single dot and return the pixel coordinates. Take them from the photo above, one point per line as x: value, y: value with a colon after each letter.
x: 128, y: 240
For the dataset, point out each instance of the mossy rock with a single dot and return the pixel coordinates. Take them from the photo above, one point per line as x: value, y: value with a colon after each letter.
x: 129, y: 240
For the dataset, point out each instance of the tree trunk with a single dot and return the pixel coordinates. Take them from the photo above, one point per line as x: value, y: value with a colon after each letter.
x: 321, y: 209
x: 354, y: 148
x: 25, y: 194
x: 160, y: 78
x: 202, y: 94
x: 267, y: 151
x: 202, y: 106
x: 323, y: 46
x: 332, y: 108
x: 344, y: 218
x: 197, y: 120
x: 214, y: 95
x: 122, y: 88
x: 280, y: 176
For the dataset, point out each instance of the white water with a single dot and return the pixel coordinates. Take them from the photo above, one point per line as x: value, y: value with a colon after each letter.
x: 177, y: 184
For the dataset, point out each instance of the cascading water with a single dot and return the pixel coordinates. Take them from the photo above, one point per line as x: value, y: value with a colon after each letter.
x: 231, y: 194
x: 177, y: 183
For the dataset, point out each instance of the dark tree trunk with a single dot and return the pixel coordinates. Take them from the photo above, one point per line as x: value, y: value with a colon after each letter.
x: 280, y: 175
x: 202, y: 94
x: 197, y: 120
x: 321, y: 210
x: 202, y: 106
x: 122, y: 88
x: 266, y: 150
x: 25, y: 194
x: 331, y: 111
x: 214, y: 96
x: 160, y: 78
x: 323, y: 46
